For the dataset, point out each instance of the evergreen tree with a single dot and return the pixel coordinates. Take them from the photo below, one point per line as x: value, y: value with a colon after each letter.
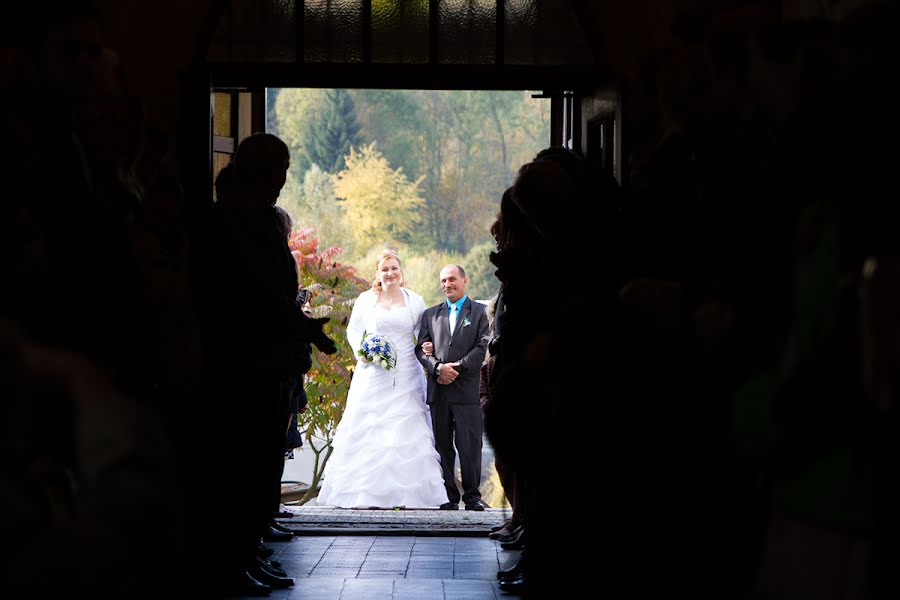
x: 296, y: 111
x: 335, y: 130
x: 271, y: 114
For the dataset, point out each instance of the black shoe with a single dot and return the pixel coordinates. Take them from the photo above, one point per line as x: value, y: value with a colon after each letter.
x: 511, y: 536
x: 273, y: 581
x: 497, y: 528
x: 516, y: 544
x: 264, y: 551
x: 512, y: 572
x: 496, y: 535
x: 450, y: 506
x: 513, y: 586
x: 273, y: 535
x: 281, y: 528
x: 477, y: 505
x: 271, y: 568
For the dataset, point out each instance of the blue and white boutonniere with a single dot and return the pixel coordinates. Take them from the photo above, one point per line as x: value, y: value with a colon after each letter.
x: 466, y: 322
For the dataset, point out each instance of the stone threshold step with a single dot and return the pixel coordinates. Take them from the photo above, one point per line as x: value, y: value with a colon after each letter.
x: 387, y: 531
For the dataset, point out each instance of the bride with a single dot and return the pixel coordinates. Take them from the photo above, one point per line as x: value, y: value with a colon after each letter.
x: 384, y: 455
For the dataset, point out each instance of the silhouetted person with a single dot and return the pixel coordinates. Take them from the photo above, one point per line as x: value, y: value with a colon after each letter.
x: 548, y: 216
x: 250, y: 321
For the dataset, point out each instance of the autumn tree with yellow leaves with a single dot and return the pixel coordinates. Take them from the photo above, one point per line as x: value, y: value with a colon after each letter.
x: 380, y: 204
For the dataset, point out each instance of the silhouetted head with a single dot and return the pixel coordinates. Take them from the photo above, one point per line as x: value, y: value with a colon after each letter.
x: 544, y: 194
x: 260, y: 166
x: 284, y: 221
x: 497, y: 227
x: 511, y: 229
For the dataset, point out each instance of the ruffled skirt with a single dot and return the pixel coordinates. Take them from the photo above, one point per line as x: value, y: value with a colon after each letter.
x: 384, y: 453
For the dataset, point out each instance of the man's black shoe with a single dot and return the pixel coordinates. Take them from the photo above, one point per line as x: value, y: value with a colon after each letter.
x: 273, y: 535
x: 279, y: 527
x: 269, y: 567
x: 511, y: 573
x: 273, y: 581
x: 513, y: 586
x: 450, y: 506
x: 477, y: 505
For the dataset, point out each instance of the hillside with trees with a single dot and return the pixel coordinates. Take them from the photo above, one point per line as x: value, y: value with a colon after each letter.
x: 421, y: 171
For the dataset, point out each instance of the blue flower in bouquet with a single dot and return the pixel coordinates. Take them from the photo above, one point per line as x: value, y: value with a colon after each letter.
x: 377, y: 348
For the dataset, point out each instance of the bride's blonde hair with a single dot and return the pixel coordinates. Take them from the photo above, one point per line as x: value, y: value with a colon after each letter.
x: 386, y: 254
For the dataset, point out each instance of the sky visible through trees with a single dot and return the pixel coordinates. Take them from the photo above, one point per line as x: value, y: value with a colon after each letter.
x: 420, y: 171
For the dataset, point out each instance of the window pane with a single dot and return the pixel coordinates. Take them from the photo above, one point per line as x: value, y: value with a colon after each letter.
x: 400, y: 31
x: 222, y: 114
x: 247, y: 30
x: 332, y: 31
x: 468, y: 31
x: 255, y: 31
x: 281, y: 32
x: 520, y: 33
x: 543, y: 32
x: 535, y: 32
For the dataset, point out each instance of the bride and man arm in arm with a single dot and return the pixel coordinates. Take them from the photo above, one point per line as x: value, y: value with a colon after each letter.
x: 395, y: 443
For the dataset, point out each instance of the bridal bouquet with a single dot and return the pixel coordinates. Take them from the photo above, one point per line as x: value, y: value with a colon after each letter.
x: 377, y: 348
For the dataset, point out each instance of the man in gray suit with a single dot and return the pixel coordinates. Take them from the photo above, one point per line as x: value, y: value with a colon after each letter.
x: 451, y: 345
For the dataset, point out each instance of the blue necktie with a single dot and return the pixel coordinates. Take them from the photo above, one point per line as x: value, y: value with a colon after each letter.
x: 453, y: 313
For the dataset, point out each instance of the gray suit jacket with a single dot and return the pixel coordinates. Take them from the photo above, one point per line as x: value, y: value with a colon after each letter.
x: 467, y: 345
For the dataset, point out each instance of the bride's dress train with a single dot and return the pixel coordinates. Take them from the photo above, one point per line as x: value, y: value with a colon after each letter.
x: 384, y: 453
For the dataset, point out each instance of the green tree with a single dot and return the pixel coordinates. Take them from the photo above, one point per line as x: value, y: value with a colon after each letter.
x: 392, y: 119
x: 291, y: 199
x: 464, y: 146
x: 323, y: 208
x: 334, y: 288
x: 314, y: 202
x: 333, y: 132
x: 271, y: 118
x: 469, y: 145
x: 381, y: 204
x: 296, y: 111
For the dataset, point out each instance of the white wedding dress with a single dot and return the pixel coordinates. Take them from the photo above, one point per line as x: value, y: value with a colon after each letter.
x: 384, y: 453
